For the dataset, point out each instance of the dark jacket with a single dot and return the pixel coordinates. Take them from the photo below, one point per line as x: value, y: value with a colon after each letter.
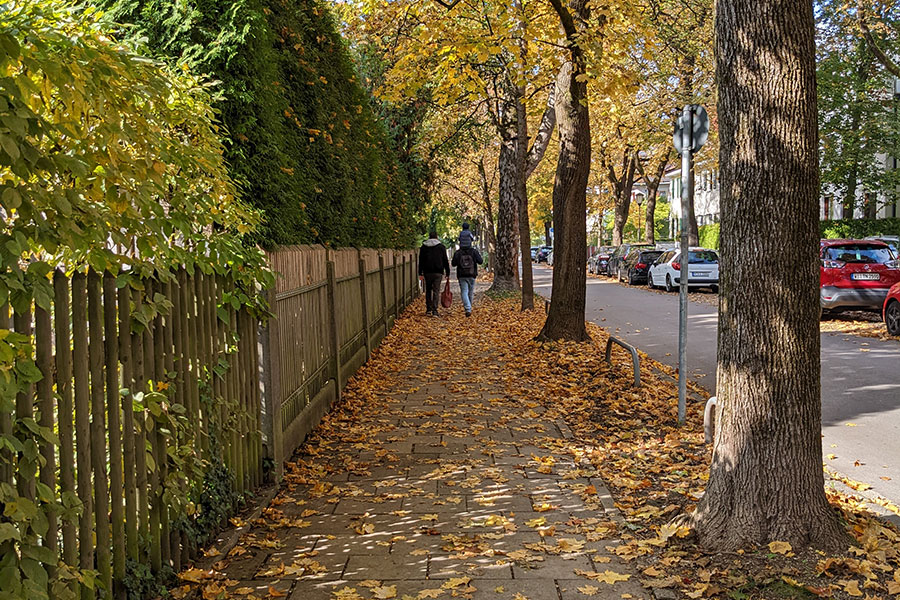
x: 433, y: 258
x: 475, y: 254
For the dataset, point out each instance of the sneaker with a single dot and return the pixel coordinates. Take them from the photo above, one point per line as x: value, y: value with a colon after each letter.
x: 468, y: 313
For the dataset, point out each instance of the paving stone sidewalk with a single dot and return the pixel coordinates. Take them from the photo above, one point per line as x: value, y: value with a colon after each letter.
x: 432, y: 483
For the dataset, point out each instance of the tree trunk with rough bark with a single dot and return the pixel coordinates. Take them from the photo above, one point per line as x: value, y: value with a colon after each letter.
x: 622, y: 186
x: 522, y: 194
x: 566, y: 317
x: 766, y: 481
x: 652, y: 191
x: 547, y: 237
x: 506, y: 272
x: 490, y: 241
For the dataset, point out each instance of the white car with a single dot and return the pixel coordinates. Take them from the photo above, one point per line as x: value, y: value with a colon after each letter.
x: 703, y: 269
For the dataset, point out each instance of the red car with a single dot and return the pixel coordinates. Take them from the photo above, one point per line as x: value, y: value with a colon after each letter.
x: 856, y: 274
x: 891, y: 311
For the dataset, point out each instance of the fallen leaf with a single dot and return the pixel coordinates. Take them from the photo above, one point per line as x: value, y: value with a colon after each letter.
x: 779, y: 547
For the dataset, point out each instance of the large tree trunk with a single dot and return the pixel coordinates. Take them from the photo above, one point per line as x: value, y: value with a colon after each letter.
x: 547, y: 237
x: 490, y: 241
x: 766, y: 481
x: 506, y: 271
x: 622, y: 186
x: 652, y: 191
x: 566, y: 317
x: 522, y: 194
x: 649, y: 221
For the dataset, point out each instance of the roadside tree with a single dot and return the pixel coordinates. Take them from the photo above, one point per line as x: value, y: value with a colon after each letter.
x: 766, y: 481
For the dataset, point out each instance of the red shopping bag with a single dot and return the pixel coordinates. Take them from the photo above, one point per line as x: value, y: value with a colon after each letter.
x: 447, y: 295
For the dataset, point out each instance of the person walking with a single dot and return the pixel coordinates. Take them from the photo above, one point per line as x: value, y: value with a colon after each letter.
x: 466, y: 237
x: 466, y: 261
x: 433, y: 266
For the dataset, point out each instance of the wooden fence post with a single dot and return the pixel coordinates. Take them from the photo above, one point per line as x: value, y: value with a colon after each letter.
x: 82, y: 425
x: 364, y: 300
x: 272, y: 427
x: 335, y: 340
x: 43, y: 338
x: 116, y: 484
x: 396, y: 290
x: 384, y: 305
x: 65, y: 408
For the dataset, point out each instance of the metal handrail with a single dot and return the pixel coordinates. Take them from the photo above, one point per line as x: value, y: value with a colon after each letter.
x: 709, y: 420
x: 635, y: 360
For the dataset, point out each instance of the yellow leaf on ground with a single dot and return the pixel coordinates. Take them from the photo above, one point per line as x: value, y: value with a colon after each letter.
x: 429, y: 593
x: 346, y: 593
x: 455, y: 582
x: 385, y: 592
x: 779, y: 547
x: 851, y: 587
x: 588, y: 590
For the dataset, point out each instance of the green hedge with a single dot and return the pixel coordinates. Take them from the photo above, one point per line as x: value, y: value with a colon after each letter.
x: 859, y: 228
x: 303, y: 141
x: 709, y: 236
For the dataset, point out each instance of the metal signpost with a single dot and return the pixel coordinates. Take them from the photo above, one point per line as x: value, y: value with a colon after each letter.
x: 691, y: 132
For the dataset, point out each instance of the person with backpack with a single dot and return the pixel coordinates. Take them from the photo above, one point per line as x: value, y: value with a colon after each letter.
x: 466, y: 237
x: 466, y: 261
x: 433, y: 266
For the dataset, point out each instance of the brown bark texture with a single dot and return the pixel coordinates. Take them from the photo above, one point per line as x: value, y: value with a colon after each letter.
x: 522, y: 195
x: 652, y: 183
x: 506, y: 272
x: 490, y: 238
x: 766, y: 481
x: 566, y: 316
x: 622, y: 185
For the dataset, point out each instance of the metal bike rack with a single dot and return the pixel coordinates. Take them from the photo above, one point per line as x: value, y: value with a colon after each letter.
x: 709, y: 420
x: 635, y: 361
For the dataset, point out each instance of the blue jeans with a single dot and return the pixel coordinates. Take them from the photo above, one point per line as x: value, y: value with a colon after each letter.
x: 467, y: 291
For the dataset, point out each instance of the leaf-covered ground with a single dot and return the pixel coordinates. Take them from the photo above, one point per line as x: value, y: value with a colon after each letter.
x: 467, y: 461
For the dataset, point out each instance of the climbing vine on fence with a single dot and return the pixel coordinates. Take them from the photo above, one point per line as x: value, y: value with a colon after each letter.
x: 112, y: 161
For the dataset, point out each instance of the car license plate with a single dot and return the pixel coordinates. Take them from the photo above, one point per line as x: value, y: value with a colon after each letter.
x: 865, y: 276
x: 699, y: 274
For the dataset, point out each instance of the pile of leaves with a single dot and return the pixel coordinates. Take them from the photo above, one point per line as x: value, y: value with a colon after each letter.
x: 657, y: 471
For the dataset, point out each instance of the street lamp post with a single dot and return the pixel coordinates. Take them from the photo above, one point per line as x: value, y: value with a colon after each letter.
x: 640, y: 200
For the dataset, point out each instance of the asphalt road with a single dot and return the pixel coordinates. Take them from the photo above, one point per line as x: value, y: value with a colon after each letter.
x: 860, y: 376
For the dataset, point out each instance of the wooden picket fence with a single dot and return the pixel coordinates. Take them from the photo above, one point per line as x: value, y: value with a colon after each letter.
x: 138, y: 381
x: 101, y: 350
x: 332, y: 307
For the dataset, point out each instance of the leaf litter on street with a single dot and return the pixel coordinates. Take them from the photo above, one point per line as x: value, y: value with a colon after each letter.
x: 464, y: 458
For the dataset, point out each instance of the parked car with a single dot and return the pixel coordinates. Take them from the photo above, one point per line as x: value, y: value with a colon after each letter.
x: 534, y: 253
x: 703, y: 269
x: 856, y: 274
x: 891, y: 310
x: 543, y: 253
x: 597, y: 262
x: 891, y: 240
x: 612, y: 266
x: 636, y: 265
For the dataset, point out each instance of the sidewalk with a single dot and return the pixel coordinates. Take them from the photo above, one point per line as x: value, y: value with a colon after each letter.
x: 436, y: 477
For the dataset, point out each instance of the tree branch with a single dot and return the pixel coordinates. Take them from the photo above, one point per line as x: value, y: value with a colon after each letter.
x: 872, y: 43
x: 542, y: 138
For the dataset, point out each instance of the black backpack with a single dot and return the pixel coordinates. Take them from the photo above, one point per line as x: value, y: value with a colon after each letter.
x: 466, y: 263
